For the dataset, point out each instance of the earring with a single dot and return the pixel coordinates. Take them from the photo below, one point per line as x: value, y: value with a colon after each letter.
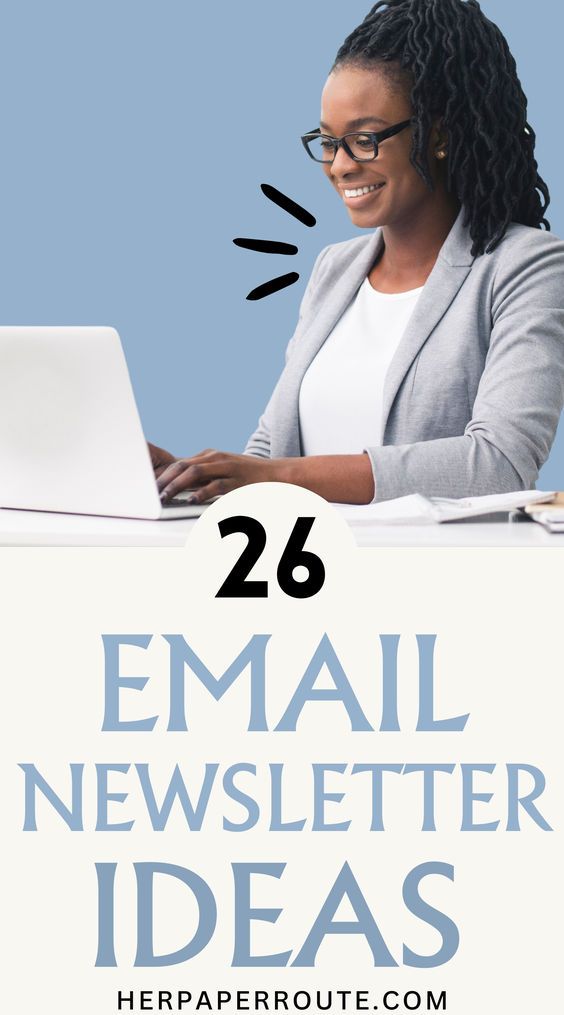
x: 442, y: 154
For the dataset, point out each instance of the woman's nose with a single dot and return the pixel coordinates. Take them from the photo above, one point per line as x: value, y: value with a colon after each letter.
x: 342, y: 163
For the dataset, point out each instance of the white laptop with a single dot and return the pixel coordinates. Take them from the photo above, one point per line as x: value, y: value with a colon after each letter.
x: 70, y: 434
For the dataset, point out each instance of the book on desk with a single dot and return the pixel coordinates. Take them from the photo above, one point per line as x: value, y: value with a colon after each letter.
x: 550, y: 514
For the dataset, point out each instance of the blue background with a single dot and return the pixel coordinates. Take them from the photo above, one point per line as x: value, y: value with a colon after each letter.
x: 135, y: 137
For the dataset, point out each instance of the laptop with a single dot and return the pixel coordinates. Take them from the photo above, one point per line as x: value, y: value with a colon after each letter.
x: 70, y: 435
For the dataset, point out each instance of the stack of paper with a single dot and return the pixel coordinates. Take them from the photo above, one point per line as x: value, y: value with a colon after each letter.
x: 419, y: 510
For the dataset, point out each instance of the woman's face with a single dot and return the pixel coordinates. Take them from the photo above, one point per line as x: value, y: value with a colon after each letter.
x: 355, y: 99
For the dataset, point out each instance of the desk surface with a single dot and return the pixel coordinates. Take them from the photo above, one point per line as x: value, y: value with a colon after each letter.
x: 38, y: 528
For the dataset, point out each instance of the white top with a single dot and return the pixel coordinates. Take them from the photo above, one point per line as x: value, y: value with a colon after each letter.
x: 340, y: 406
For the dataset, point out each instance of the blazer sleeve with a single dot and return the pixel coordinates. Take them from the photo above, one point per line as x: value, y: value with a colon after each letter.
x: 259, y: 443
x: 519, y: 399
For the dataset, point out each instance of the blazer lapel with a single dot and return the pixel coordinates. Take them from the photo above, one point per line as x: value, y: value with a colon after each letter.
x: 450, y: 271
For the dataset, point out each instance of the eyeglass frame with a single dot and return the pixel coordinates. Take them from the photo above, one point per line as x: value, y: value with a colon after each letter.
x: 340, y: 142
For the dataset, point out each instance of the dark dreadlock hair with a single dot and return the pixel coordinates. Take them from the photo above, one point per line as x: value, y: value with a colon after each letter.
x: 461, y: 71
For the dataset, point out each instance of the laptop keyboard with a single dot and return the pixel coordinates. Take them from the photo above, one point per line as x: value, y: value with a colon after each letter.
x: 176, y: 502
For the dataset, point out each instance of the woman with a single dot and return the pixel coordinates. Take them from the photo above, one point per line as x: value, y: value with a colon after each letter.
x: 429, y: 354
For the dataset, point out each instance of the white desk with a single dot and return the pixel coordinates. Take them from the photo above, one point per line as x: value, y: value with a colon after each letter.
x: 38, y: 528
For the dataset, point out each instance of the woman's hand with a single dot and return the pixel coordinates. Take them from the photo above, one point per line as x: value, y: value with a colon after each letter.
x: 210, y: 473
x: 160, y: 458
x: 346, y: 478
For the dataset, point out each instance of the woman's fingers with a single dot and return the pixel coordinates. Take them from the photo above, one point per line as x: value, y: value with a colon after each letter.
x: 212, y: 473
x: 160, y: 459
x: 216, y: 488
x: 190, y: 474
x: 174, y: 479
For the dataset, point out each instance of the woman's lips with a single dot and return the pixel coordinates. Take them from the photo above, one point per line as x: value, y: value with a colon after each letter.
x: 360, y: 195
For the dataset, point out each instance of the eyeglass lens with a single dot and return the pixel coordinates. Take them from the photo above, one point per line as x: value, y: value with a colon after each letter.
x: 362, y: 146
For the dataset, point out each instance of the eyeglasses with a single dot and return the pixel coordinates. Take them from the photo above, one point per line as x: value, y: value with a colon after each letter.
x: 362, y: 147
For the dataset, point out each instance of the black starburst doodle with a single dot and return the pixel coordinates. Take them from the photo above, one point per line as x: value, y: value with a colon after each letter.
x: 274, y: 285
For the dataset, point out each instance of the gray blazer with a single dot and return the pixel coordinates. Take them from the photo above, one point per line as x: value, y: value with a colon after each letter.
x: 474, y: 393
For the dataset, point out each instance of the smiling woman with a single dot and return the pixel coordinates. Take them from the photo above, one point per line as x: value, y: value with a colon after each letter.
x: 429, y: 354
